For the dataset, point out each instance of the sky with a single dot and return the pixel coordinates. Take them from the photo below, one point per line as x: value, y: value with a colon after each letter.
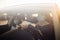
x: 5, y: 3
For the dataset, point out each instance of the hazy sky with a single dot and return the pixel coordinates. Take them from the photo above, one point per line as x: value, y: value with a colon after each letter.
x: 5, y: 3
